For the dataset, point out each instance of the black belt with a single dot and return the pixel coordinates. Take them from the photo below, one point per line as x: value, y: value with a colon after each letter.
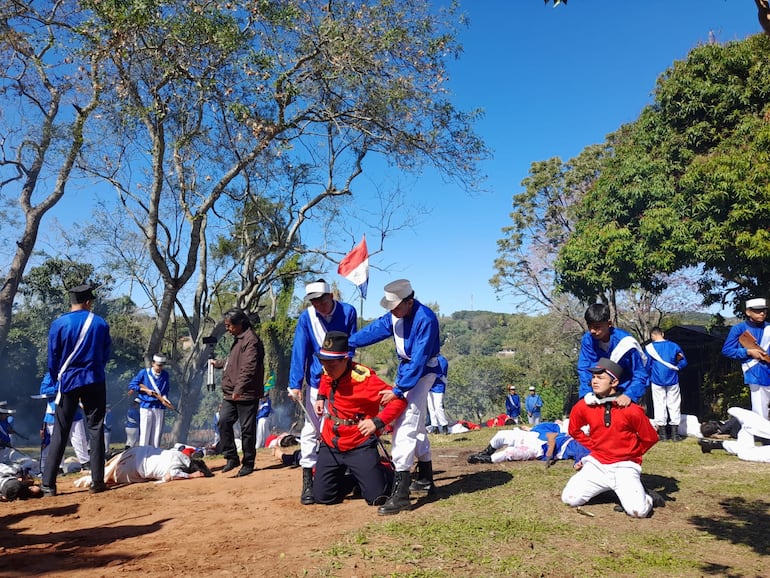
x: 338, y: 421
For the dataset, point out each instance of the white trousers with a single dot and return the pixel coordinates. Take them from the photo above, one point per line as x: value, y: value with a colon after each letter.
x: 436, y: 409
x: 663, y: 399
x: 760, y: 398
x: 410, y: 436
x: 516, y: 445
x: 263, y: 430
x: 623, y: 478
x: 751, y: 425
x: 308, y: 437
x: 79, y: 440
x: 150, y: 426
x: 132, y: 436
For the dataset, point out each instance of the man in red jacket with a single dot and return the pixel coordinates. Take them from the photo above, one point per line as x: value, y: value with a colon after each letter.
x: 349, y: 398
x: 617, y: 439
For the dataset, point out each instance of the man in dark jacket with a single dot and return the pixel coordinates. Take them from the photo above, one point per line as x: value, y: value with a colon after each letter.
x: 242, y: 386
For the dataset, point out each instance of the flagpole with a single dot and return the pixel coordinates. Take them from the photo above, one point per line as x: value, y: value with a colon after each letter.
x: 361, y: 306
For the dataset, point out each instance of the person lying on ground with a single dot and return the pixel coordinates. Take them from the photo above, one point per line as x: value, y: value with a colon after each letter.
x: 16, y: 484
x: 544, y: 441
x: 148, y: 463
x: 753, y: 426
x: 286, y: 448
x: 721, y: 429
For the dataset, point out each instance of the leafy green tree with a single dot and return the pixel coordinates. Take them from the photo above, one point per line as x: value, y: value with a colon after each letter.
x: 475, y: 390
x: 282, y: 101
x: 685, y: 186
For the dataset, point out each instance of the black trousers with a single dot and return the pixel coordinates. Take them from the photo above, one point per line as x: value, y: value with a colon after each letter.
x: 336, y: 472
x: 245, y: 413
x: 94, y: 400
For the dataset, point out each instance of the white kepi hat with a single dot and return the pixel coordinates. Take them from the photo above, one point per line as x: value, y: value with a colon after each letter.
x: 395, y: 293
x: 758, y: 303
x: 316, y: 289
x: 160, y: 359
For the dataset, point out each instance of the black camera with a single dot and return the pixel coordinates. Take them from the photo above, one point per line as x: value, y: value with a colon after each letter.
x: 210, y: 383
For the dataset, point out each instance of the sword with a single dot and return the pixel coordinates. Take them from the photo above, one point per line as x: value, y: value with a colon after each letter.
x: 301, y: 403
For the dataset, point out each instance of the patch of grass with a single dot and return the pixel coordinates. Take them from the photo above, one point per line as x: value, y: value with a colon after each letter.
x: 508, y: 520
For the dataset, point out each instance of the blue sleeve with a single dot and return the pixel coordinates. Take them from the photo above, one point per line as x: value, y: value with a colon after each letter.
x: 636, y: 387
x: 351, y: 325
x: 134, y: 383
x: 378, y: 330
x: 732, y: 348
x: 682, y: 363
x: 424, y: 339
x: 54, y: 361
x: 587, y: 358
x: 300, y: 351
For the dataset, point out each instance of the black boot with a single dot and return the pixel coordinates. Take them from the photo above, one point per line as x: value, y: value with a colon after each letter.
x: 399, y: 497
x: 307, y: 487
x: 662, y: 433
x: 445, y: 430
x: 708, y: 444
x: 675, y: 437
x: 424, y: 483
x: 483, y: 457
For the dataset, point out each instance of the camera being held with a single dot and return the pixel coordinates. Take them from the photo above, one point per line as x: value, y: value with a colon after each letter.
x: 210, y: 382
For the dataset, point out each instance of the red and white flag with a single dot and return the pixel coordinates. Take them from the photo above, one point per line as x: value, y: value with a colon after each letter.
x: 355, y: 266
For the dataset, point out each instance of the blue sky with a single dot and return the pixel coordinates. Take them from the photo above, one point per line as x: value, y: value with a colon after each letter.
x: 551, y: 81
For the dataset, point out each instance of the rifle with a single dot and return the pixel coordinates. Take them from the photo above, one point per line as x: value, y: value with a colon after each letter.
x: 748, y: 341
x: 161, y: 398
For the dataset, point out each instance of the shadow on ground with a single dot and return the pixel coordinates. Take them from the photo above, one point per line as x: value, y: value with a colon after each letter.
x: 739, y: 522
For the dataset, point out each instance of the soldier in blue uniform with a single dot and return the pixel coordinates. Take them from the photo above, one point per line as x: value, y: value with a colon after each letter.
x: 79, y: 347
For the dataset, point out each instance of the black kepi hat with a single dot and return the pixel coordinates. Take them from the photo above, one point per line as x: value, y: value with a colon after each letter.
x: 606, y: 365
x: 83, y: 293
x: 335, y: 346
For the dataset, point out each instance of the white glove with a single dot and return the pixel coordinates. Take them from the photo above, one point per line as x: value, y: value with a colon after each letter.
x: 82, y: 482
x: 591, y: 399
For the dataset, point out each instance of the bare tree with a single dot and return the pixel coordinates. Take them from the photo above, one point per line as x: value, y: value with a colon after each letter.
x: 279, y: 106
x: 46, y: 99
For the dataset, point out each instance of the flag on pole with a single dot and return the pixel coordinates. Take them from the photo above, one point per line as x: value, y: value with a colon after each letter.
x: 355, y: 266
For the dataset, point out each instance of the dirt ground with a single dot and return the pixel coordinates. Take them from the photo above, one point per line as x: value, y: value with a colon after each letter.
x: 255, y: 526
x: 218, y: 526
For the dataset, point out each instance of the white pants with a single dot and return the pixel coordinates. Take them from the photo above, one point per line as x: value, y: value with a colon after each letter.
x: 263, y: 430
x: 666, y: 398
x: 760, y: 397
x: 79, y: 440
x: 308, y: 437
x: 623, y: 478
x: 410, y: 436
x: 436, y: 409
x: 516, y: 445
x: 751, y: 425
x: 150, y: 426
x: 132, y: 436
